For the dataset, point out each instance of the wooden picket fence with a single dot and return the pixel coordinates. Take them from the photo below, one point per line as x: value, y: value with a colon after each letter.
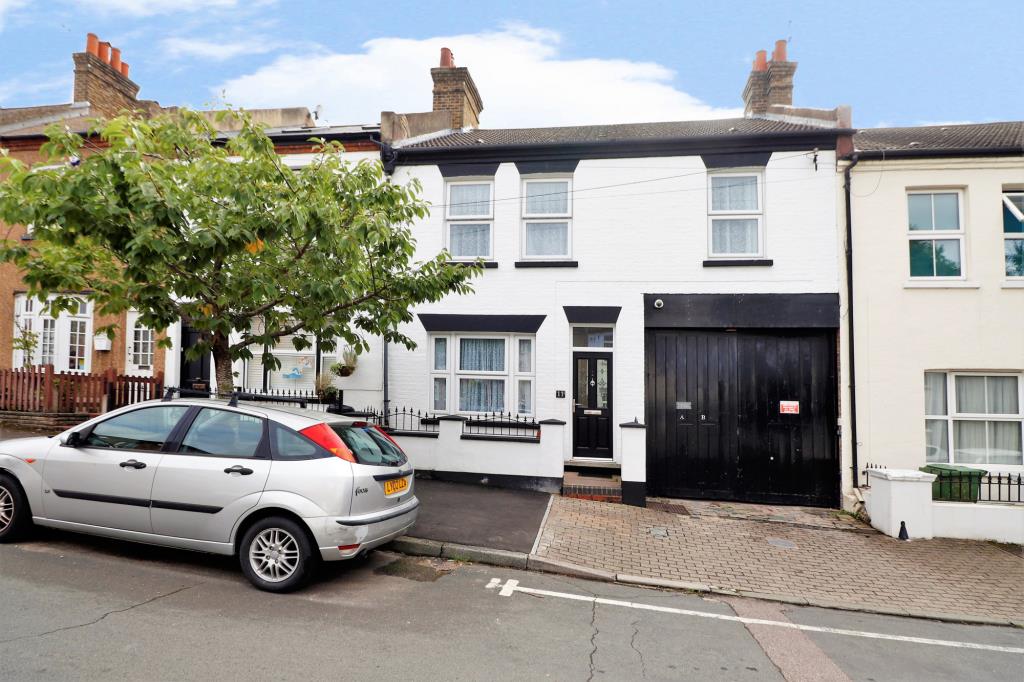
x: 40, y: 389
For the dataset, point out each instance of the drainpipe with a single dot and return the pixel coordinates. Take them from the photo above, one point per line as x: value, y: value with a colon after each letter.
x: 849, y: 318
x: 387, y: 401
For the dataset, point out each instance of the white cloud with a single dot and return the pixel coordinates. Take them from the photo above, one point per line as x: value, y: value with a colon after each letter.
x: 34, y: 85
x: 6, y: 6
x: 518, y: 70
x: 220, y: 50
x: 142, y: 8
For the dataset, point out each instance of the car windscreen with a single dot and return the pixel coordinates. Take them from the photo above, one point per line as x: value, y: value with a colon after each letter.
x: 369, y: 445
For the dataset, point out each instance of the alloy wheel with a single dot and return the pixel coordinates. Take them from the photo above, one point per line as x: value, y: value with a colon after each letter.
x: 273, y: 554
x: 6, y: 508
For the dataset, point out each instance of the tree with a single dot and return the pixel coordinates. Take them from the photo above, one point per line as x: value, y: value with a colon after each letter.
x: 165, y: 217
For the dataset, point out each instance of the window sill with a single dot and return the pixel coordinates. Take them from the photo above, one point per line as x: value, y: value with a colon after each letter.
x: 941, y: 284
x: 1013, y: 284
x: 487, y: 264
x: 547, y: 264
x: 738, y: 262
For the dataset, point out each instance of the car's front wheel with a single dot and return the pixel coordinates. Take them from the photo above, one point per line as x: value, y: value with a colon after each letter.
x: 15, y: 518
x: 276, y: 555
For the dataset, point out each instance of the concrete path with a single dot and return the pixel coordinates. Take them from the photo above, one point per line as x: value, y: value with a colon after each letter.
x: 480, y: 516
x: 824, y: 566
x: 79, y: 608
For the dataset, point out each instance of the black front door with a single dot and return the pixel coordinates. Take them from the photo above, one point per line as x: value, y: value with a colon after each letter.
x: 195, y: 373
x: 745, y: 415
x: 592, y: 405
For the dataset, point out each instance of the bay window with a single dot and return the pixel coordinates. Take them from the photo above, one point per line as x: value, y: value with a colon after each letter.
x: 936, y: 234
x: 547, y: 219
x: 469, y: 213
x: 1013, y: 233
x: 735, y: 214
x: 974, y: 418
x: 478, y: 374
x: 64, y: 341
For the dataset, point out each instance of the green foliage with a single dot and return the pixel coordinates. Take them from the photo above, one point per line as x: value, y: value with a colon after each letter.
x: 163, y: 216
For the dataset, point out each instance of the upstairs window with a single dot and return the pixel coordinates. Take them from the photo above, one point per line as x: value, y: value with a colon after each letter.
x: 736, y: 216
x: 936, y: 234
x: 469, y: 224
x: 1013, y: 233
x: 547, y: 219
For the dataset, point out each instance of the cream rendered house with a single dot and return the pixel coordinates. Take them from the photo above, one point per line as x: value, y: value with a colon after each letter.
x: 937, y: 236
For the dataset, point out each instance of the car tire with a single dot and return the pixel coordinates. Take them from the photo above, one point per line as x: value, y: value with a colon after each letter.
x: 15, y: 515
x: 276, y: 555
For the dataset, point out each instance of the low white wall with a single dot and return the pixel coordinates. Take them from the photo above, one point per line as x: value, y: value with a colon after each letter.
x: 450, y: 452
x: 979, y: 521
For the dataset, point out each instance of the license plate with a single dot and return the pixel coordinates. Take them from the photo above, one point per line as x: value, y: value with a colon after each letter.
x: 395, y: 485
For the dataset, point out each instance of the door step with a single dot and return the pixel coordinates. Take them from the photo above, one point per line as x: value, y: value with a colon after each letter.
x: 592, y: 485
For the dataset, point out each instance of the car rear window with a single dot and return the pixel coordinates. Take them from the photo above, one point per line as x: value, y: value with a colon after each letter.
x: 369, y: 445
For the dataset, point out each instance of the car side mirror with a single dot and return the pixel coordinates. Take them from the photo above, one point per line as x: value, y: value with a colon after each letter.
x: 71, y: 439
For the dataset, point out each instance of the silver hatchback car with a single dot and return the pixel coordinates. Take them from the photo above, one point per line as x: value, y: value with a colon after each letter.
x: 278, y: 487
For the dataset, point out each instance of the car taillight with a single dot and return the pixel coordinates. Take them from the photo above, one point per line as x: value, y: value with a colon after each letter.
x: 324, y: 436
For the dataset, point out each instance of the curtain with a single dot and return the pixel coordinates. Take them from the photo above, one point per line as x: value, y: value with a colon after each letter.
x: 935, y: 393
x: 547, y: 198
x: 1002, y: 395
x: 969, y: 442
x: 470, y: 240
x: 525, y: 355
x: 440, y: 393
x: 970, y: 395
x: 936, y: 440
x: 547, y: 239
x: 470, y: 200
x: 734, y: 193
x: 1004, y: 440
x: 441, y: 353
x: 481, y: 355
x: 734, y: 236
x: 524, y: 402
x: 481, y: 395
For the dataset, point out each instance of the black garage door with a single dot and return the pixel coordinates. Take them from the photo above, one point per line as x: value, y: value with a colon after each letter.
x: 742, y: 415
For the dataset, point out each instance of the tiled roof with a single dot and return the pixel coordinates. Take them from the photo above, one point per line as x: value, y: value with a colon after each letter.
x: 982, y: 137
x: 624, y: 132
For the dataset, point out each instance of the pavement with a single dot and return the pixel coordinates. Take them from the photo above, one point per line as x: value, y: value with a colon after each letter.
x: 83, y: 608
x: 793, y: 555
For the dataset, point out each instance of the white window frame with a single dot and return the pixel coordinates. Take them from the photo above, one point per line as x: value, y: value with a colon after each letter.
x: 326, y: 360
x: 759, y: 214
x: 1011, y: 236
x: 33, y: 315
x: 591, y: 349
x: 546, y: 218
x: 483, y: 218
x: 510, y: 376
x: 938, y: 235
x: 953, y: 416
x: 132, y: 326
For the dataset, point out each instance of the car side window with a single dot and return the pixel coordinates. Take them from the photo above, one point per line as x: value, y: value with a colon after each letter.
x: 223, y: 433
x: 146, y: 429
x: 290, y: 445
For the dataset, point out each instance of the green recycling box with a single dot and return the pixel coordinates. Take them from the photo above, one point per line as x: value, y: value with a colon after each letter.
x: 955, y: 483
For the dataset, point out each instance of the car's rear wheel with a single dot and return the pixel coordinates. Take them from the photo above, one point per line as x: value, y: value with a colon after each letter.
x: 276, y: 555
x: 15, y: 518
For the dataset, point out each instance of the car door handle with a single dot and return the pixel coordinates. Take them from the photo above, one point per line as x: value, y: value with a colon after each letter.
x: 132, y: 464
x: 238, y: 469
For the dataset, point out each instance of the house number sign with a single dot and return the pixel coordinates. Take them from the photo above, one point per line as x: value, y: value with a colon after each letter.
x: 789, y: 407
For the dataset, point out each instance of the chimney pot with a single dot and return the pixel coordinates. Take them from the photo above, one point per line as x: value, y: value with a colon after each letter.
x: 779, y: 53
x: 92, y: 43
x: 761, y: 60
x: 103, y: 52
x: 124, y: 69
x: 115, y: 59
x: 447, y: 59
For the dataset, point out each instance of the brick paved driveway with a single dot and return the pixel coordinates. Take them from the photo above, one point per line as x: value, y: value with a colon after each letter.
x: 825, y: 566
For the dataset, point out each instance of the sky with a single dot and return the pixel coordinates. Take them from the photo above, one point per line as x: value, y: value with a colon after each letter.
x: 535, y: 62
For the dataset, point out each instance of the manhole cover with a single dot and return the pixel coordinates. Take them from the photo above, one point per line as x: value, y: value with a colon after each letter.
x: 668, y: 507
x: 659, y: 532
x: 779, y: 542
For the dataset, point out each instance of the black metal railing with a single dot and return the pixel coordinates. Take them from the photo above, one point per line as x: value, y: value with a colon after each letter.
x: 502, y: 425
x: 402, y: 420
x: 956, y: 486
x: 307, y: 400
x: 866, y: 473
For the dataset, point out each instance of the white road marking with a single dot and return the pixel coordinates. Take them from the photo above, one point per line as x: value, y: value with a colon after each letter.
x: 512, y: 586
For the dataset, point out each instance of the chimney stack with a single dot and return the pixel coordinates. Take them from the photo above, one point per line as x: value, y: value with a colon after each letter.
x: 101, y: 78
x: 456, y: 93
x: 770, y: 82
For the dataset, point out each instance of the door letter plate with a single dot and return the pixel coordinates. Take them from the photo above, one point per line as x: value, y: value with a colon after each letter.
x: 597, y: 412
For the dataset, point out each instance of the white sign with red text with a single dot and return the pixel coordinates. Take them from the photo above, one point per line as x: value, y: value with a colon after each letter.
x: 789, y: 407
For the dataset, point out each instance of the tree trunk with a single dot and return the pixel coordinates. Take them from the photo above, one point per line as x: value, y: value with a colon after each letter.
x: 222, y: 364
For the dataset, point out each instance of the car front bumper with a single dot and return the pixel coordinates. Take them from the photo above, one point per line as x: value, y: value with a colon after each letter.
x: 358, y: 534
